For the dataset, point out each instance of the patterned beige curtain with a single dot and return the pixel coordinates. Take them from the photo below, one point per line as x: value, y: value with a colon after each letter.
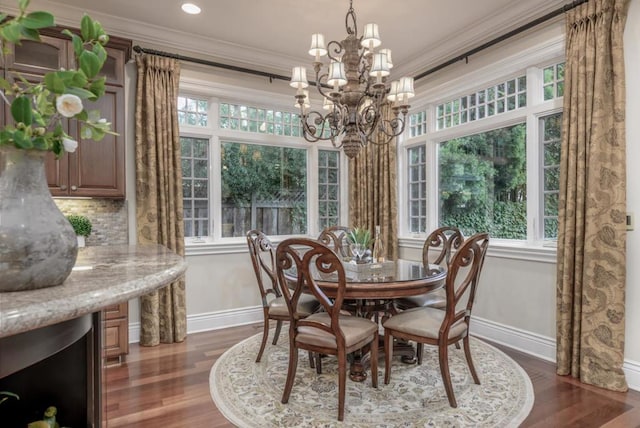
x: 592, y: 232
x: 372, y: 191
x: 159, y: 191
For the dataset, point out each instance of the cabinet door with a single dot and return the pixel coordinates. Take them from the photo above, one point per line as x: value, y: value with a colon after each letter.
x: 39, y: 58
x: 116, y: 311
x: 97, y: 167
x: 116, y: 338
x: 113, y: 68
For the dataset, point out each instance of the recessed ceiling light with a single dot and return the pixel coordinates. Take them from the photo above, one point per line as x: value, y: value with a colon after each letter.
x: 190, y: 8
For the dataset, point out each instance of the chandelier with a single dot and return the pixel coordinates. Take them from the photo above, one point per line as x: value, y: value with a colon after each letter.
x: 354, y: 89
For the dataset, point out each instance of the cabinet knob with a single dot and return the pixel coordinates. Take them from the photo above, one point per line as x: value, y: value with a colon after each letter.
x: 74, y: 188
x: 63, y: 187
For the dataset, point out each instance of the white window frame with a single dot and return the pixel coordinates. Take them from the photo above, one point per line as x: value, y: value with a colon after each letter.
x: 531, y: 63
x: 215, y: 94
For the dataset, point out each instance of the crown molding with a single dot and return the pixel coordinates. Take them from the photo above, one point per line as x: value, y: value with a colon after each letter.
x: 149, y: 35
x: 483, y: 30
x: 461, y: 83
x: 167, y: 39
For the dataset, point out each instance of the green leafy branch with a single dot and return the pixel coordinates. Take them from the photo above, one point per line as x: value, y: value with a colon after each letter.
x: 38, y: 109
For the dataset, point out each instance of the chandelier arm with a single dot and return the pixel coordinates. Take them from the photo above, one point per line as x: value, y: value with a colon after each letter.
x: 397, y: 126
x: 334, y: 50
x: 315, y: 130
x: 321, y: 82
x: 369, y: 119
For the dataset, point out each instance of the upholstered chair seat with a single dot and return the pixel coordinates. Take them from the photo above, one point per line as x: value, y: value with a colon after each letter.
x: 425, y: 322
x: 306, y: 306
x: 434, y: 299
x: 354, y: 329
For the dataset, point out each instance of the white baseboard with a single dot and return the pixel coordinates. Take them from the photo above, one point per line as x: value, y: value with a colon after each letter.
x: 530, y: 343
x: 210, y: 321
x: 537, y: 345
x: 540, y: 346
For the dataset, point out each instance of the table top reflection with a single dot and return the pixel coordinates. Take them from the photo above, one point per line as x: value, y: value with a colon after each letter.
x: 399, y: 278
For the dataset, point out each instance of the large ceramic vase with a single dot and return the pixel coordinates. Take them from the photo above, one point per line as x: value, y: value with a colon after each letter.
x: 38, y: 246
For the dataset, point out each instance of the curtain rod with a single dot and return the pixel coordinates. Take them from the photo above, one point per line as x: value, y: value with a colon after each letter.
x: 271, y: 76
x: 463, y: 56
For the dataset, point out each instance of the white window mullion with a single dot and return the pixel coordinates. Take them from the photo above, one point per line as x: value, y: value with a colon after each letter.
x: 216, y: 188
x: 312, y: 191
x: 534, y: 94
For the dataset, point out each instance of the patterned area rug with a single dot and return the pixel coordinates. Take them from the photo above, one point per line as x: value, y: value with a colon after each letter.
x: 248, y: 393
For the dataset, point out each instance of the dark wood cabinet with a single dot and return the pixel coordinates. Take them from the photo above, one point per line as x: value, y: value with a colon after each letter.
x: 116, y: 333
x: 95, y: 169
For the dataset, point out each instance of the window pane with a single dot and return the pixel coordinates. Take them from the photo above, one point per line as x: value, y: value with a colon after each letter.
x: 192, y: 111
x: 195, y: 185
x: 328, y: 188
x: 417, y: 189
x: 482, y: 183
x: 551, y: 127
x: 263, y: 187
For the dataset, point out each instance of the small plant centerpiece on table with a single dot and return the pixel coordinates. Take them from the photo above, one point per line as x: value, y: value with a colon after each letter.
x: 359, y: 241
x: 81, y: 226
x: 40, y: 111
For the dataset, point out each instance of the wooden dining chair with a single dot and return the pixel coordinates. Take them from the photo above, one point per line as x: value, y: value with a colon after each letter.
x: 274, y: 307
x: 327, y: 333
x: 437, y: 250
x: 433, y: 326
x: 335, y: 237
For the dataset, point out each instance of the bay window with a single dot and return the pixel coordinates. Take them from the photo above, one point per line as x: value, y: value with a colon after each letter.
x: 490, y: 156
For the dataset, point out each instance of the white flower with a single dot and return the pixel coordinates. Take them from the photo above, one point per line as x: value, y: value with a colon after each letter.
x: 69, y: 105
x: 69, y: 145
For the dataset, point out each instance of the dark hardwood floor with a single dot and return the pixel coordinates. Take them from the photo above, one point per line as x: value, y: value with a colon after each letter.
x: 168, y: 386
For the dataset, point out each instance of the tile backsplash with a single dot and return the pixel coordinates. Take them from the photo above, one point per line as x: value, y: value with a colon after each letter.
x: 108, y: 218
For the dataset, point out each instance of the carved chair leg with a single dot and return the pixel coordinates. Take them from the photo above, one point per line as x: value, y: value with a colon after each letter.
x: 291, y: 372
x: 467, y: 354
x: 342, y: 383
x: 444, y: 371
x: 388, y: 355
x: 419, y: 350
x: 312, y: 360
x: 319, y: 363
x: 265, y: 335
x: 374, y: 360
x: 457, y: 345
x: 277, y: 335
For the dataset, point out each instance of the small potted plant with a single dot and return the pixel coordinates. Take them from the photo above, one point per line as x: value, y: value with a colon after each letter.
x: 82, y: 226
x: 359, y: 240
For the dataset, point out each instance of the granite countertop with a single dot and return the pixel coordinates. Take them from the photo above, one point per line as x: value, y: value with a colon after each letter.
x: 102, y: 276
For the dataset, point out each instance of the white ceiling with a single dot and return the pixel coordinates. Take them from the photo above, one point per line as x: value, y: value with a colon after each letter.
x: 275, y: 34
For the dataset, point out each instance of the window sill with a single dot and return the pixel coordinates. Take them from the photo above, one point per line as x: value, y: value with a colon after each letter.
x: 225, y: 246
x: 502, y: 249
x: 206, y: 248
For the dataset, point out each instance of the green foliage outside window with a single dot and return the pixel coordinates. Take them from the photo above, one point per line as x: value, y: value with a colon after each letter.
x: 263, y: 187
x: 482, y: 184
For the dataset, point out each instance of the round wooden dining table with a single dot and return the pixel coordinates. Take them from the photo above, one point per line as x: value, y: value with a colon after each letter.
x: 370, y: 290
x: 388, y: 280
